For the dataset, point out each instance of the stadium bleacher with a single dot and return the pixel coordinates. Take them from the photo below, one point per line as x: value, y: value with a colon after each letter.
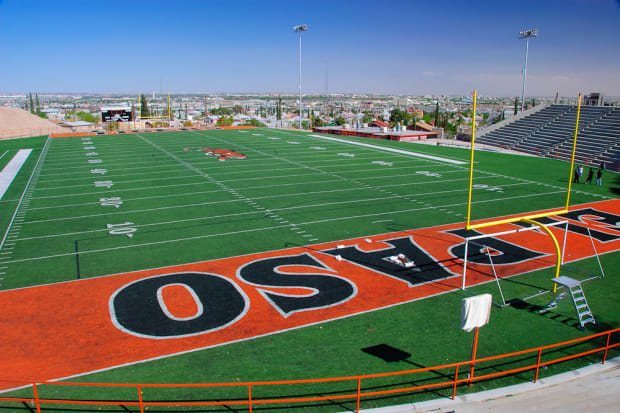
x: 549, y: 133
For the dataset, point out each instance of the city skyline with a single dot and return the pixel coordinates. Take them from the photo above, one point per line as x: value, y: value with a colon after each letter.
x: 395, y: 47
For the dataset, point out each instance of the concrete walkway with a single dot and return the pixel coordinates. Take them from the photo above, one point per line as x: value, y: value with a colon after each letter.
x: 595, y: 388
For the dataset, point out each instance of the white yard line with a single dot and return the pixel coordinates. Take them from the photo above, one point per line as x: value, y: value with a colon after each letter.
x: 241, y: 188
x: 119, y: 190
x: 98, y: 178
x: 111, y: 175
x: 271, y: 196
x: 10, y: 171
x: 289, y: 226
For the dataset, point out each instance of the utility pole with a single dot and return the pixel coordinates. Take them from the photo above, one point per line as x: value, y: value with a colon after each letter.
x: 526, y: 34
x: 299, y: 29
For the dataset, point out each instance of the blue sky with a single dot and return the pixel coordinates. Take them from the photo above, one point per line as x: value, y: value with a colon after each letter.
x: 401, y: 47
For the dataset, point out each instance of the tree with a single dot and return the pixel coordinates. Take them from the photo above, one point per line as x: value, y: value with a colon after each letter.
x: 516, y: 105
x: 316, y: 120
x: 237, y: 109
x: 437, y: 114
x: 144, y: 107
x: 224, y: 121
x: 254, y: 122
x: 340, y: 121
x: 279, y: 109
x: 38, y: 110
x: 87, y: 117
x: 399, y: 116
x: 222, y: 111
x: 31, y: 104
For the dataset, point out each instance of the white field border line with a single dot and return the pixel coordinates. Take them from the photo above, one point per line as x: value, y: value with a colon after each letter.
x: 386, y: 149
x: 5, y: 152
x: 289, y: 225
x: 10, y: 171
x: 296, y: 184
x: 19, y: 204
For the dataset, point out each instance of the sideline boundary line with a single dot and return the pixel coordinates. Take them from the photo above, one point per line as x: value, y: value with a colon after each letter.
x: 19, y: 204
x: 386, y: 149
x: 10, y: 171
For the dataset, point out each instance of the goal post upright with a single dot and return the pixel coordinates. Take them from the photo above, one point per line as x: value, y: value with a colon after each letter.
x: 527, y: 218
x: 471, y: 161
x: 572, y: 159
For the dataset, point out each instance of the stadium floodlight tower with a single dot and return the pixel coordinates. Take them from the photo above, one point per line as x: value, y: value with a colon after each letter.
x: 525, y: 34
x: 299, y: 29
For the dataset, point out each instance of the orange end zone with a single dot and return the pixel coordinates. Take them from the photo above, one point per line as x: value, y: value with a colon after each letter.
x: 72, y: 328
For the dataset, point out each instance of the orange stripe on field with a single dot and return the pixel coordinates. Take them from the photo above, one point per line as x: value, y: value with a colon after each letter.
x: 60, y: 330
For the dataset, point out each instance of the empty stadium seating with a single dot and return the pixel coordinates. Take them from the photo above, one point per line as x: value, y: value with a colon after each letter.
x: 549, y: 133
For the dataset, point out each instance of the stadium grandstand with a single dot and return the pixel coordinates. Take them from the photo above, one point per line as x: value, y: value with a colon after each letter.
x: 547, y: 131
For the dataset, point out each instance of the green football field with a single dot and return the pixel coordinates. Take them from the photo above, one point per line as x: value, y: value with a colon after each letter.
x: 86, y: 207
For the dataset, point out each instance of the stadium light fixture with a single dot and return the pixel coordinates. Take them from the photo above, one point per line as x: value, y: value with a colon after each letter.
x: 526, y: 34
x: 299, y: 29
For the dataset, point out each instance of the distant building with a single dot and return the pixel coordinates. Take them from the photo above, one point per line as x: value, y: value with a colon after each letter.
x: 594, y: 99
x: 421, y: 126
x: 417, y: 112
x: 401, y: 101
x: 53, y: 114
x: 378, y: 124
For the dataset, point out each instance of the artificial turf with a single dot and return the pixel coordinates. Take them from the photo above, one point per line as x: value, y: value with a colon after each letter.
x: 187, y: 207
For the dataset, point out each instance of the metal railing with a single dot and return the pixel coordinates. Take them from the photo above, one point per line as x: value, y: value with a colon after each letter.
x: 456, y: 374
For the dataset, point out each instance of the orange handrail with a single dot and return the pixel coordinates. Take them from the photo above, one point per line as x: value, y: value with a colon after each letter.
x: 355, y: 395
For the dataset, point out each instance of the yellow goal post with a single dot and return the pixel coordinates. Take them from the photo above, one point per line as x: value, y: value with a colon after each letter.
x: 530, y: 217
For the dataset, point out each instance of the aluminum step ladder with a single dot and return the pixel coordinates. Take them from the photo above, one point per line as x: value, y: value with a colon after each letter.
x: 579, y: 299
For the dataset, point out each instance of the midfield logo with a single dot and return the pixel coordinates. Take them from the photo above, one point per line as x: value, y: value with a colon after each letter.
x: 222, y: 154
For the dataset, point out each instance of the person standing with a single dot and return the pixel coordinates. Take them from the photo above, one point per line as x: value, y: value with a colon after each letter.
x: 590, y: 175
x: 578, y: 172
x: 599, y: 177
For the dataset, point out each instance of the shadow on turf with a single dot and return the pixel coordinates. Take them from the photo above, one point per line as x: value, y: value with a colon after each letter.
x: 382, y: 351
x: 550, y: 315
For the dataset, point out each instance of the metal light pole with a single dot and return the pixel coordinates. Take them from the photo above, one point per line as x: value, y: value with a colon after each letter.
x: 299, y: 29
x: 526, y: 34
